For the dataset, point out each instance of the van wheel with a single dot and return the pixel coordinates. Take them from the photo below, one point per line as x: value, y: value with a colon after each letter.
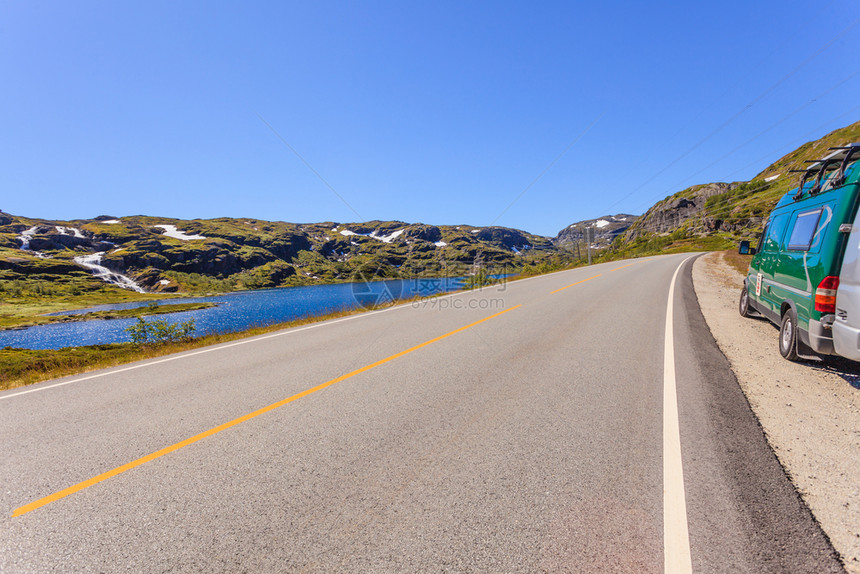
x: 744, y: 304
x: 788, y: 335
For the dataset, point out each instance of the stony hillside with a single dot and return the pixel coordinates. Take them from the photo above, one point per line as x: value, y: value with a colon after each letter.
x: 606, y: 229
x: 669, y: 214
x: 164, y: 254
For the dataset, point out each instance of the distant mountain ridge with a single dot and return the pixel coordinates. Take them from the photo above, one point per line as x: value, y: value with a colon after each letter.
x: 606, y: 229
x: 167, y: 254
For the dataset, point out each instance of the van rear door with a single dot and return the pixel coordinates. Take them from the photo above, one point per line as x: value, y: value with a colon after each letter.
x: 846, y: 326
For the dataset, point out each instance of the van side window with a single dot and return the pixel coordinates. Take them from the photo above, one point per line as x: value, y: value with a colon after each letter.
x: 775, y: 230
x: 761, y: 239
x: 804, y: 230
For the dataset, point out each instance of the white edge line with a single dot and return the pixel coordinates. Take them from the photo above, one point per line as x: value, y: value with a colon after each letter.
x: 676, y: 536
x: 246, y: 341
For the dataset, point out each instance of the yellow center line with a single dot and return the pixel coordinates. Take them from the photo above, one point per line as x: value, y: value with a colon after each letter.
x: 623, y: 266
x: 174, y: 447
x: 577, y: 283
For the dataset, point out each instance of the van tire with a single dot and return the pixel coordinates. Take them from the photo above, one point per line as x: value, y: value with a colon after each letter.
x: 788, y: 335
x: 744, y: 303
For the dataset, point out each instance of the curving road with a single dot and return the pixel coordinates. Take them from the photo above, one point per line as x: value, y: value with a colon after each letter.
x: 525, y: 428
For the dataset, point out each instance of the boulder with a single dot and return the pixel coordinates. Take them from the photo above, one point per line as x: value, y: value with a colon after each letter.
x: 429, y: 233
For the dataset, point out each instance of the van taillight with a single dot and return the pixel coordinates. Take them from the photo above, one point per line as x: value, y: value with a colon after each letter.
x: 825, y: 295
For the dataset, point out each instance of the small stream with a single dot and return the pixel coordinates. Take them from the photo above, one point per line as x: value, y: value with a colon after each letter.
x: 93, y: 263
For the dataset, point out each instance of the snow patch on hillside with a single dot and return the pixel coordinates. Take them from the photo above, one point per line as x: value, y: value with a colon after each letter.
x: 388, y: 238
x: 373, y: 235
x: 171, y: 231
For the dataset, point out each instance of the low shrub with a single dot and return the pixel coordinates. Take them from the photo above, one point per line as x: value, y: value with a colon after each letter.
x: 158, y: 331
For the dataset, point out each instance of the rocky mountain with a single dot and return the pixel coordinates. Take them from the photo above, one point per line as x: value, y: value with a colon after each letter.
x: 606, y: 229
x: 164, y: 254
x: 668, y: 215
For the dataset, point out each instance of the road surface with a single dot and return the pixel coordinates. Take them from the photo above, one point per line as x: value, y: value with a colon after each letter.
x: 525, y: 428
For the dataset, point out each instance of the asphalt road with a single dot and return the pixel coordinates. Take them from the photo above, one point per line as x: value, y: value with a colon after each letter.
x: 531, y: 440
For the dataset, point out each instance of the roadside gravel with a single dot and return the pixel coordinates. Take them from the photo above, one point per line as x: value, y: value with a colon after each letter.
x: 810, y: 410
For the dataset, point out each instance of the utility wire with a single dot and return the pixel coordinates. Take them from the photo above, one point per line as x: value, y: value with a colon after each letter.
x: 310, y: 167
x: 791, y: 114
x: 552, y: 163
x: 791, y: 144
x: 806, y: 25
x: 757, y: 99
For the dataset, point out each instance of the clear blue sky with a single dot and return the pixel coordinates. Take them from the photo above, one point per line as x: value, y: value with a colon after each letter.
x: 438, y: 112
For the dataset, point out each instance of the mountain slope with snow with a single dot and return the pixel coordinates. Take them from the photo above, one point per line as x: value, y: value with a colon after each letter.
x: 165, y: 254
x: 606, y: 229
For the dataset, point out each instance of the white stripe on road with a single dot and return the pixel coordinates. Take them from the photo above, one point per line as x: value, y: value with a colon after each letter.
x: 676, y: 537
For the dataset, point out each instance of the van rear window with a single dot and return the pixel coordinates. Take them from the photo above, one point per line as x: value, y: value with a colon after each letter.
x: 804, y: 230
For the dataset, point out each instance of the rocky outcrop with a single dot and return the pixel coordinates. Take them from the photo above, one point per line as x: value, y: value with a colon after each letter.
x: 512, y: 239
x: 669, y: 214
x: 154, y: 281
x: 429, y: 233
x: 713, y: 225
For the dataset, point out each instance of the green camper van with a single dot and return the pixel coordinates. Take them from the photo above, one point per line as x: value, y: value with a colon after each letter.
x: 794, y: 276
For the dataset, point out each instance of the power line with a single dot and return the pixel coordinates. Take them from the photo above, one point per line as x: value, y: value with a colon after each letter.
x: 755, y: 100
x: 791, y: 114
x: 310, y: 167
x: 792, y: 144
x: 552, y: 163
x: 806, y: 25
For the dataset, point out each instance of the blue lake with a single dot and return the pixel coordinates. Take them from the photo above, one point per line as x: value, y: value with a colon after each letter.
x: 234, y: 311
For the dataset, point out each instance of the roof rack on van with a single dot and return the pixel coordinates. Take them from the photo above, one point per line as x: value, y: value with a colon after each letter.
x: 842, y: 155
x: 852, y: 152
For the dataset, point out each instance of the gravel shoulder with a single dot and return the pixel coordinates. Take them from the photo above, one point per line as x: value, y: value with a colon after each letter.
x: 810, y: 410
